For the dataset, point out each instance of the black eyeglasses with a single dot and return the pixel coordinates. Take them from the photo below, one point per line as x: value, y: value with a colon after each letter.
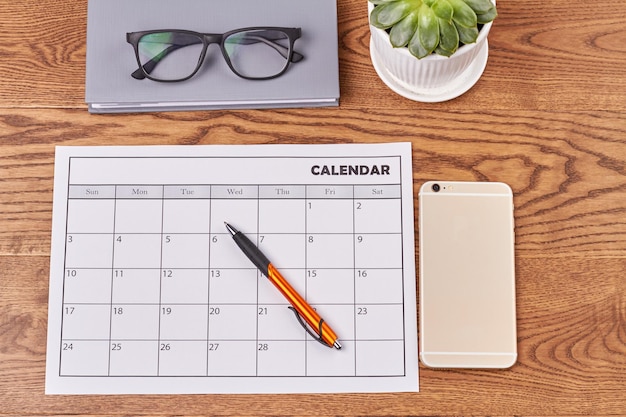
x: 257, y: 53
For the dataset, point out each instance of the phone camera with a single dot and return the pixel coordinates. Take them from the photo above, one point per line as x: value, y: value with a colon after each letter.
x: 436, y: 188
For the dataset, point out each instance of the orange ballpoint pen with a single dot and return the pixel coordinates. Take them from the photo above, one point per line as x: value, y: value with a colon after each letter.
x: 318, y: 327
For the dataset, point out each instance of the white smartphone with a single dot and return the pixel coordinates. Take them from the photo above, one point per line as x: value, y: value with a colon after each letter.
x: 467, y: 275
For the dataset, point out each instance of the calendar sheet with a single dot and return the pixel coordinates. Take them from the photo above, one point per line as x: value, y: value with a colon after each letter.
x: 150, y: 295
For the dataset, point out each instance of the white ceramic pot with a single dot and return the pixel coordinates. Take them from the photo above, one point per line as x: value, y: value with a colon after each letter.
x: 433, y: 78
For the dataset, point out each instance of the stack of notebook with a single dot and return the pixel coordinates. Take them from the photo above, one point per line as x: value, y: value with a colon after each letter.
x: 126, y: 78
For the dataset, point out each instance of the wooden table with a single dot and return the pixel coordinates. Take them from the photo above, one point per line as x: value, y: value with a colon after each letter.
x: 548, y: 117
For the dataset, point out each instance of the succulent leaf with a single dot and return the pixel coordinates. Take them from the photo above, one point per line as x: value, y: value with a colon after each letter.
x: 415, y: 47
x: 448, y: 36
x: 428, y: 28
x: 467, y: 35
x: 463, y: 14
x: 389, y: 13
x: 479, y: 6
x: 443, y: 9
x: 443, y: 52
x: 488, y: 16
x: 402, y: 32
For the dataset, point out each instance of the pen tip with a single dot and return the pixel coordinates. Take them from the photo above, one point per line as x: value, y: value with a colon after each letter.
x: 230, y: 229
x: 337, y: 345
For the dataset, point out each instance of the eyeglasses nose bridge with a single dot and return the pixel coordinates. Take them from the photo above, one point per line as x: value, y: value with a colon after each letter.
x: 210, y: 38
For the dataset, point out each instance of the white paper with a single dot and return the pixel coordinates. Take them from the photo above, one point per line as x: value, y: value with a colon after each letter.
x: 149, y: 293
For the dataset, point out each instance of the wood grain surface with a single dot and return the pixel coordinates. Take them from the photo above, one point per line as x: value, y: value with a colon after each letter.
x: 548, y: 117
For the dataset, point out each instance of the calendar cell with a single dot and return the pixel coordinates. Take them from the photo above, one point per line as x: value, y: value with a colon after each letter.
x: 138, y: 216
x: 378, y: 191
x: 185, y: 251
x: 232, y: 358
x: 187, y: 192
x: 281, y: 358
x: 269, y: 294
x: 278, y: 322
x: 91, y: 286
x: 89, y: 251
x: 91, y: 192
x: 329, y: 216
x: 137, y: 251
x: 224, y: 253
x: 340, y: 317
x: 233, y: 286
x: 285, y: 251
x: 330, y: 192
x: 136, y: 286
x: 240, y: 212
x: 379, y: 321
x: 320, y: 280
x: 139, y: 192
x: 378, y: 286
x: 134, y: 358
x: 235, y: 192
x: 184, y: 286
x: 182, y: 358
x: 90, y: 216
x: 232, y: 322
x: 321, y: 361
x: 84, y: 321
x: 380, y: 358
x: 135, y: 322
x: 330, y: 251
x: 378, y: 251
x: 372, y: 216
x: 282, y: 216
x: 186, y: 216
x: 184, y: 322
x: 84, y: 357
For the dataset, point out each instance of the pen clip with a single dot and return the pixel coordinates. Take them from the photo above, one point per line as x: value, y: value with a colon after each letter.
x: 307, y: 327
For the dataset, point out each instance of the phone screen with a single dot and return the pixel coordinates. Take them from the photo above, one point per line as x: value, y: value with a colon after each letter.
x: 467, y: 275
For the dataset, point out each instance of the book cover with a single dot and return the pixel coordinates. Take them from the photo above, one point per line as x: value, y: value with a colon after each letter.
x: 312, y: 81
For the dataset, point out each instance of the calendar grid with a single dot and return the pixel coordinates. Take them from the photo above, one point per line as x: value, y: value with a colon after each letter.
x: 164, y: 342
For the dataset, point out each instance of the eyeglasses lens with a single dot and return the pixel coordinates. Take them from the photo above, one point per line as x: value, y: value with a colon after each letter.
x: 177, y: 55
x: 258, y: 53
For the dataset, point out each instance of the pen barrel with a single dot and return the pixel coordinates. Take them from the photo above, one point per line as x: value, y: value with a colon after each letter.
x: 302, y: 307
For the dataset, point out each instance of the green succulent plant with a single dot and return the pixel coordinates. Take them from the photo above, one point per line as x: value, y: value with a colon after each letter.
x: 427, y: 26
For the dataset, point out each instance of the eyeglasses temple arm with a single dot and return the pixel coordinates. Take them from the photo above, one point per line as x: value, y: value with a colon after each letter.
x: 282, y: 50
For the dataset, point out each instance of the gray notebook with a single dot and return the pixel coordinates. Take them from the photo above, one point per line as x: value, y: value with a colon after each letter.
x: 311, y: 78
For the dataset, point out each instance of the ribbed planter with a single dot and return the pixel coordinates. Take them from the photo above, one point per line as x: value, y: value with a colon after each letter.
x: 433, y: 78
